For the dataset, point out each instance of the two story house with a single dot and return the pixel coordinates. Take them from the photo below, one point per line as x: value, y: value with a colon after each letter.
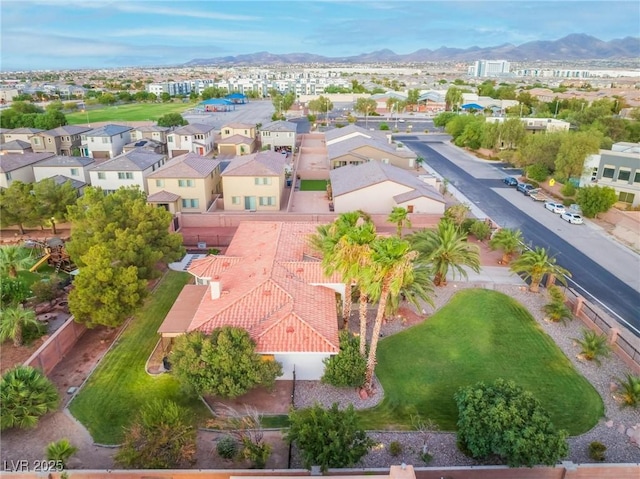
x: 21, y: 134
x: 187, y: 183
x: 18, y: 147
x: 19, y: 167
x: 155, y: 133
x: 279, y: 136
x: 63, y: 140
x: 254, y: 182
x: 195, y: 138
x: 237, y: 139
x: 127, y: 169
x: 105, y: 142
x: 73, y: 167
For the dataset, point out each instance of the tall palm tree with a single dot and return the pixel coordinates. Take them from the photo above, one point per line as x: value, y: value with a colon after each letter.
x: 417, y: 291
x: 13, y: 259
x: 25, y: 395
x: 453, y: 98
x: 391, y: 268
x: 509, y: 241
x: 535, y: 264
x: 13, y: 321
x: 400, y: 217
x: 446, y: 248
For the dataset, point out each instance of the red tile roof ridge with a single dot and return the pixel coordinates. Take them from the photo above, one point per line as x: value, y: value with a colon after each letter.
x: 209, y: 265
x: 292, y: 314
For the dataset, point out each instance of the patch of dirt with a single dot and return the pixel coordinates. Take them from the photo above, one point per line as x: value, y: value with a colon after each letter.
x: 11, y: 355
x: 265, y: 401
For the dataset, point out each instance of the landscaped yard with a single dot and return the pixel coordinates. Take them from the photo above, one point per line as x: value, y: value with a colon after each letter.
x: 480, y: 335
x: 313, y: 185
x: 120, y: 384
x: 130, y: 112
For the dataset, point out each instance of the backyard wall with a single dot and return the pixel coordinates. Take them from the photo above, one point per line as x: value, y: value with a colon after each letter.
x: 47, y: 356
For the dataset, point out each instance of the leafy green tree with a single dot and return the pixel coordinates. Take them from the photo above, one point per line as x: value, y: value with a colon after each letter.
x: 509, y: 241
x: 457, y: 214
x: 365, y: 106
x: 472, y: 134
x: 321, y: 105
x: 18, y: 206
x: 53, y: 199
x: 348, y: 367
x: 107, y: 99
x: 511, y: 132
x: 165, y: 97
x: 136, y: 232
x: 329, y: 438
x: 442, y: 119
x: 457, y: 126
x: 60, y: 451
x: 172, y: 119
x: 13, y: 322
x: 50, y: 120
x: 400, y: 217
x: 26, y: 395
x: 14, y: 258
x: 596, y: 199
x: 105, y: 291
x: 501, y: 419
x: 574, y: 149
x: 446, y: 248
x: 534, y: 264
x: 540, y: 149
x: 161, y: 437
x: 223, y: 364
x: 453, y: 98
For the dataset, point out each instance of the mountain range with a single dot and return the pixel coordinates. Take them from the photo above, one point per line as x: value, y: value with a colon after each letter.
x: 576, y: 46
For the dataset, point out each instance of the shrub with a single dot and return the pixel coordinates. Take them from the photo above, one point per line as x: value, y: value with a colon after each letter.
x: 533, y: 183
x: 384, y: 126
x: 568, y: 189
x: 257, y: 453
x: 567, y: 201
x: 467, y: 224
x: 348, y: 367
x: 556, y: 309
x: 60, y: 451
x: 537, y: 172
x: 426, y: 457
x: 597, y: 450
x: 227, y: 447
x: 481, y: 230
x: 46, y: 290
x: 593, y: 346
x: 395, y: 448
x: 630, y: 390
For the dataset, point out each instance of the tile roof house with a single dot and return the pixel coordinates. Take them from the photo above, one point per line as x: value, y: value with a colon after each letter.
x: 268, y: 284
x: 279, y: 136
x: 15, y: 147
x: 187, y: 183
x: 237, y: 139
x: 105, y: 142
x: 19, y: 167
x: 127, y: 169
x: 357, y: 149
x: 73, y: 167
x: 377, y: 188
x: 63, y: 140
x: 22, y: 134
x: 337, y: 135
x: 154, y: 133
x: 254, y: 182
x: 195, y: 138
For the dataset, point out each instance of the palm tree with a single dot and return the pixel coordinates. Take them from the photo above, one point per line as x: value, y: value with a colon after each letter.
x: 446, y: 248
x: 630, y: 390
x: 535, y: 264
x: 13, y: 322
x: 453, y: 98
x: 399, y: 216
x: 25, y: 395
x: 593, y: 346
x: 61, y: 451
x: 420, y: 289
x: 391, y: 268
x: 13, y: 259
x: 509, y: 241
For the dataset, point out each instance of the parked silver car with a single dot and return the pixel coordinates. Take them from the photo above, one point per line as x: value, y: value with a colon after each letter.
x: 573, y: 218
x: 555, y: 207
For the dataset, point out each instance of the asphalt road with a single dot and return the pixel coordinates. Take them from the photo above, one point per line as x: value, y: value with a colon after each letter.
x: 588, y: 275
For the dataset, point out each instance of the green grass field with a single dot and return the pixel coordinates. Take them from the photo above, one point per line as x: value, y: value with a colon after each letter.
x: 130, y: 112
x: 120, y: 385
x: 480, y: 335
x: 313, y: 185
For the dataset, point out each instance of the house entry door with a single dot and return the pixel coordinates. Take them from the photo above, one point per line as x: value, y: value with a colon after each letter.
x: 250, y: 203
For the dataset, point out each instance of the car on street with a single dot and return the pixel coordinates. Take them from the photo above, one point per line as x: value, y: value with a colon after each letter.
x: 510, y: 181
x: 525, y: 188
x: 573, y: 218
x: 555, y: 207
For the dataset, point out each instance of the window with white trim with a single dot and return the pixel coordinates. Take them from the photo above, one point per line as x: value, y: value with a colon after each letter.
x: 159, y: 183
x: 235, y: 200
x: 75, y: 172
x: 190, y: 203
x: 262, y: 181
x: 102, y: 175
x: 185, y: 183
x: 125, y: 175
x: 267, y: 200
x: 624, y: 175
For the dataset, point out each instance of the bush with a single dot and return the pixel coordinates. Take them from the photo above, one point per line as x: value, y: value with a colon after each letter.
x: 46, y: 291
x: 384, y: 126
x: 533, y: 183
x: 537, y: 172
x: 556, y: 309
x: 467, y: 224
x: 481, y: 230
x: 593, y: 346
x: 567, y: 201
x: 348, y: 367
x: 60, y: 451
x: 395, y: 448
x: 597, y: 450
x: 568, y: 189
x: 630, y: 390
x: 227, y: 447
x: 426, y: 457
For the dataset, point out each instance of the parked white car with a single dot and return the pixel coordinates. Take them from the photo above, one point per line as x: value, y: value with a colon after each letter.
x: 555, y: 207
x: 573, y: 218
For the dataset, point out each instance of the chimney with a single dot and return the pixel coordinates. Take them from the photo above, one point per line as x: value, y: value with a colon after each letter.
x: 216, y: 288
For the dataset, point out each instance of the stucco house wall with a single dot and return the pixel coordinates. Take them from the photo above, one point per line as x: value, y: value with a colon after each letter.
x: 308, y: 366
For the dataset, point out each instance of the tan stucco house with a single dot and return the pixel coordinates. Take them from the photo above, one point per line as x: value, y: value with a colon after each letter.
x: 279, y: 136
x: 194, y: 138
x: 63, y: 140
x: 19, y: 167
x: 72, y: 167
x: 237, y: 139
x: 127, y: 169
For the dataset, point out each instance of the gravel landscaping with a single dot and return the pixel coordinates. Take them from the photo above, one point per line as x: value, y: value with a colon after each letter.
x: 612, y: 430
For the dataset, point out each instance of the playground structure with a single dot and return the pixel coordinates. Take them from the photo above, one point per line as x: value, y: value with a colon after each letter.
x: 53, y: 252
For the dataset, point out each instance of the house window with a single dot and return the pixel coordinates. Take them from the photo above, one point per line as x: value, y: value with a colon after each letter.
x: 160, y: 183
x: 75, y: 172
x: 267, y: 201
x: 235, y: 200
x: 102, y: 175
x: 636, y: 178
x: 624, y: 175
x: 626, y: 197
x: 126, y: 175
x: 262, y: 181
x: 227, y: 132
x: 106, y: 140
x: 190, y: 203
x: 36, y: 141
x: 170, y: 139
x: 608, y: 172
x: 8, y: 176
x: 185, y: 183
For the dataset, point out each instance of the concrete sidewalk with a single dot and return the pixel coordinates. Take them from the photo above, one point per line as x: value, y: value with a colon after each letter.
x: 488, y: 275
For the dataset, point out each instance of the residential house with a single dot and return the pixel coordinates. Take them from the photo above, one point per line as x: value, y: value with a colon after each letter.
x: 187, y: 183
x: 147, y: 144
x: 155, y: 133
x: 377, y: 188
x: 279, y: 136
x: 64, y: 140
x: 78, y: 185
x: 194, y: 138
x: 127, y: 169
x: 105, y: 142
x: 348, y: 132
x: 269, y: 284
x: 19, y: 167
x: 237, y: 139
x: 535, y: 125
x: 618, y: 168
x: 17, y: 147
x: 356, y: 148
x: 22, y: 134
x: 254, y: 182
x: 72, y: 167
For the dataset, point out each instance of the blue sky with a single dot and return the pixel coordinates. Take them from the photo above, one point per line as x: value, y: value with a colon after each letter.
x: 54, y: 34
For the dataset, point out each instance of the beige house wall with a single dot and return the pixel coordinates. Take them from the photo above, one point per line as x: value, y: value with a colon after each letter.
x: 424, y: 205
x: 364, y: 153
x: 373, y: 199
x: 203, y: 190
x: 226, y: 132
x: 42, y: 172
x: 24, y: 174
x: 46, y: 143
x: 244, y: 186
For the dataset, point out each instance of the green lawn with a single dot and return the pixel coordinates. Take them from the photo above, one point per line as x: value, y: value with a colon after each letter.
x: 130, y: 112
x: 313, y: 185
x: 120, y: 384
x: 480, y: 335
